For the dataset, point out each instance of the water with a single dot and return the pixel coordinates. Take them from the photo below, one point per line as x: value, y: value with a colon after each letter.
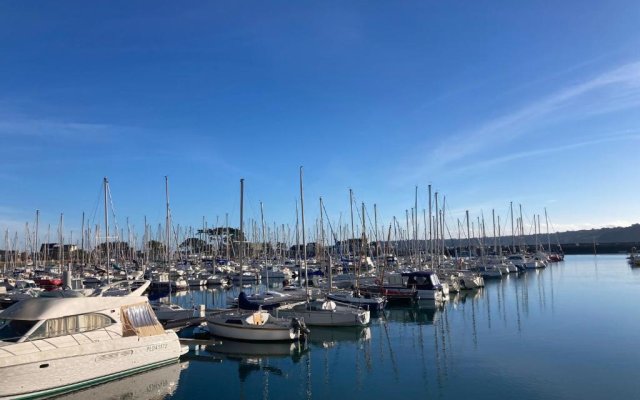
x: 566, y: 332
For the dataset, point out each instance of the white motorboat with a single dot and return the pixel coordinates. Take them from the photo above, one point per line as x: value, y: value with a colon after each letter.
x: 217, y: 279
x: 254, y: 326
x: 171, y: 312
x: 470, y: 279
x: 55, y: 345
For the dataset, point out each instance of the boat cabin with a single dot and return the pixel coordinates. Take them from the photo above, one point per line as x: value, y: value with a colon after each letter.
x: 421, y: 280
x: 94, y: 318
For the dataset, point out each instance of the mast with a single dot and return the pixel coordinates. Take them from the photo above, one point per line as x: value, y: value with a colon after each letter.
x: 37, y: 250
x: 167, y: 221
x: 61, y: 236
x: 442, y: 231
x: 81, y: 244
x: 297, y: 255
x: 304, y: 242
x: 106, y: 226
x: 363, y: 251
x: 330, y: 272
x: 468, y: 235
x: 513, y: 232
x: 241, y: 250
x: 495, y: 238
x: 499, y: 236
x: 546, y: 218
x: 521, y: 225
x: 264, y: 243
x: 437, y: 224
x: 353, y: 232
x: 226, y: 222
x: 414, y: 214
x: 430, y: 228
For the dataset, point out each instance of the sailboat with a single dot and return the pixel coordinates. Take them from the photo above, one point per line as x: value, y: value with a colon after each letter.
x: 256, y: 325
x: 326, y: 312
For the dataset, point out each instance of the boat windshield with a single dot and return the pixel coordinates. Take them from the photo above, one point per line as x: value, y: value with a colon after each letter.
x: 11, y: 330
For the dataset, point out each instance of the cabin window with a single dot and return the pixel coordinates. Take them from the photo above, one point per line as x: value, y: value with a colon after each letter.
x: 140, y: 320
x: 71, y: 325
x: 11, y: 330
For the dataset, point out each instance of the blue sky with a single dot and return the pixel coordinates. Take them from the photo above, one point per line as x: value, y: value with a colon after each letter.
x: 490, y: 102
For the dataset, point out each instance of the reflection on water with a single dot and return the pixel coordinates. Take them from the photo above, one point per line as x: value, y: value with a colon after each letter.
x: 155, y: 384
x: 331, y: 337
x: 250, y: 357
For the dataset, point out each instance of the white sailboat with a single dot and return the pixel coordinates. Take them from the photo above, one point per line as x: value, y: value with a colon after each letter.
x: 253, y: 325
x: 325, y: 312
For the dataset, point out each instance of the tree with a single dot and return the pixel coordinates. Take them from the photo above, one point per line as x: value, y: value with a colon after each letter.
x: 193, y: 245
x: 156, y: 250
x: 223, y: 236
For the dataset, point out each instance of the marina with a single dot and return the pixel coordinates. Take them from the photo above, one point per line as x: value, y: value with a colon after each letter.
x: 435, y: 200
x: 563, y: 332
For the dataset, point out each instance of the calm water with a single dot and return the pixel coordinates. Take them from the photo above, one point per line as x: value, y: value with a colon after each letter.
x: 566, y: 332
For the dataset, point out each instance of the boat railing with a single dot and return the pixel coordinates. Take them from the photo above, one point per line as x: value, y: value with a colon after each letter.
x: 109, y: 332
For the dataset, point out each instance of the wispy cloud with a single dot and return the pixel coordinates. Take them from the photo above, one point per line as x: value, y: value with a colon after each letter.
x: 628, y: 135
x: 613, y: 90
x: 55, y: 129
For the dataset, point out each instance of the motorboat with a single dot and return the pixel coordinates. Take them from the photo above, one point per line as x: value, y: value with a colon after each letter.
x: 50, y: 346
x: 171, y: 312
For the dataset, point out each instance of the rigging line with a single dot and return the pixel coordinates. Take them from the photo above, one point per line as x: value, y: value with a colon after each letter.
x: 329, y: 222
x: 92, y: 219
x: 113, y: 213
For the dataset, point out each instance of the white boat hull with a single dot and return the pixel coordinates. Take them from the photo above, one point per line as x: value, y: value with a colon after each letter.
x: 69, y: 366
x: 217, y: 325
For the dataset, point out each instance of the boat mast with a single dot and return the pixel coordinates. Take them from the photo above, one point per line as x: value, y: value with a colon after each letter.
x: 106, y: 225
x: 226, y: 222
x: 495, y: 238
x: 513, y: 232
x: 304, y: 242
x: 436, y: 237
x: 36, y: 246
x: 240, y: 241
x: 61, y: 240
x: 547, y: 222
x: 363, y: 249
x: 442, y: 230
x: 522, y: 227
x: 353, y: 232
x: 468, y: 235
x: 430, y: 228
x: 330, y: 273
x: 264, y: 244
x: 167, y: 221
x: 81, y: 245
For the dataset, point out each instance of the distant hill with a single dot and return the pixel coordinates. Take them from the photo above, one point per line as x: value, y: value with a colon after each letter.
x: 627, y: 234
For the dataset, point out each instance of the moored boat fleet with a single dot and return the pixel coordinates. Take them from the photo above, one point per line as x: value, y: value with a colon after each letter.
x: 93, y: 312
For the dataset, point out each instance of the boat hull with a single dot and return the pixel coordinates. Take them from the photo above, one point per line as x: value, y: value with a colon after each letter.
x: 333, y: 317
x: 218, y: 327
x: 63, y: 365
